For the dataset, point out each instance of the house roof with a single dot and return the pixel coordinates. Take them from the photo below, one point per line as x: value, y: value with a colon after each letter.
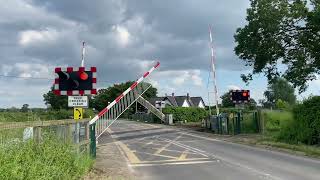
x: 178, y: 100
x: 196, y: 100
x: 172, y: 100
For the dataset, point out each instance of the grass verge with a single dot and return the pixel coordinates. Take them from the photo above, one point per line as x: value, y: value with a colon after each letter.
x: 49, y: 159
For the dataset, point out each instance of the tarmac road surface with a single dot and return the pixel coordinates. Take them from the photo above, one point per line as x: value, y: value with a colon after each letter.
x: 160, y: 152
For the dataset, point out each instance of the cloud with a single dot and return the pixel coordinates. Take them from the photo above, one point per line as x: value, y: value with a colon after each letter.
x: 32, y: 36
x: 233, y: 87
x: 124, y: 39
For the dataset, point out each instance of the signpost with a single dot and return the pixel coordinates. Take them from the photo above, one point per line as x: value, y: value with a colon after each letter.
x: 77, y: 101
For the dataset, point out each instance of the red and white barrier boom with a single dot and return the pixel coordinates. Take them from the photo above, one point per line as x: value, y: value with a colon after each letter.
x: 114, y: 110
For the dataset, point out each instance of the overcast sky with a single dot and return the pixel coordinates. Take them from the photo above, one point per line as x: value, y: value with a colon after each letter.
x: 124, y: 38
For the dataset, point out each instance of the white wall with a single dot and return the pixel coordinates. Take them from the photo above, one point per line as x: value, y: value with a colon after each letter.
x: 201, y: 105
x: 185, y: 104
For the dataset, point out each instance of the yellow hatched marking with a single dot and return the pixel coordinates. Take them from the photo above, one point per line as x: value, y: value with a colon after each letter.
x: 183, y: 156
x: 131, y: 156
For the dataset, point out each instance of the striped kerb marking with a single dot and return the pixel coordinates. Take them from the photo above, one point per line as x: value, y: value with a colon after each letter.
x: 101, y: 113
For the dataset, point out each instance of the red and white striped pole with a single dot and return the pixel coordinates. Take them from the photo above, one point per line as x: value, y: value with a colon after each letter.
x: 214, y: 71
x: 101, y: 113
x: 83, y: 53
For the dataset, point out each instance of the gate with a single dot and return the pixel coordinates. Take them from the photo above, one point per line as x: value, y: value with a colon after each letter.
x: 101, y: 122
x: 234, y: 123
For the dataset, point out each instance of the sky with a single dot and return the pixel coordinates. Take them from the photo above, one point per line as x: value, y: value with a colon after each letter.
x: 124, y: 39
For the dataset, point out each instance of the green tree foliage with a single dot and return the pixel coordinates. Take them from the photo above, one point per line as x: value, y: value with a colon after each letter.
x: 282, y: 31
x: 226, y: 100
x: 281, y: 104
x: 54, y: 101
x: 279, y: 89
x: 25, y: 108
x: 104, y: 96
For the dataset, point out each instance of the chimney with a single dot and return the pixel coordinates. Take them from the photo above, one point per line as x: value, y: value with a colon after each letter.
x: 172, y: 94
x: 188, y: 95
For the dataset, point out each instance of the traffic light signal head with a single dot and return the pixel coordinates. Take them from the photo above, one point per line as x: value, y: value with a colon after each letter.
x: 240, y: 96
x: 78, y: 81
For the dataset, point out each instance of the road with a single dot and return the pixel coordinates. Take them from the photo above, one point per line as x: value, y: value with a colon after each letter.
x: 159, y: 152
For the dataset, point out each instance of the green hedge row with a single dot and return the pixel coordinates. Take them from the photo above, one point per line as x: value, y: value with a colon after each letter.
x: 305, y: 128
x: 189, y: 114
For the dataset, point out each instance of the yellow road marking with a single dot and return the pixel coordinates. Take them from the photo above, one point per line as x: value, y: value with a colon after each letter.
x: 131, y: 156
x: 183, y: 156
x: 160, y: 155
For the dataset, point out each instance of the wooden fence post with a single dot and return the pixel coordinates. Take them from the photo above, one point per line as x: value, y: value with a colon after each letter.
x: 37, y: 134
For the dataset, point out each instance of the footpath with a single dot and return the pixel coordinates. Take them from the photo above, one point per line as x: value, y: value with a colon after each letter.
x: 111, y: 163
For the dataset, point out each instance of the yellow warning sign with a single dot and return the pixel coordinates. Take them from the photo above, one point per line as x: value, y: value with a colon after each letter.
x: 77, y: 113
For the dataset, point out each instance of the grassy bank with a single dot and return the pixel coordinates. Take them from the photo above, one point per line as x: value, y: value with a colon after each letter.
x: 50, y: 159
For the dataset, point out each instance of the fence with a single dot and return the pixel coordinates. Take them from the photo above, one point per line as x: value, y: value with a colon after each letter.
x: 235, y: 123
x: 75, y: 132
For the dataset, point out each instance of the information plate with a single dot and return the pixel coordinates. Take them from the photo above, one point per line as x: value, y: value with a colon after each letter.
x: 77, y: 101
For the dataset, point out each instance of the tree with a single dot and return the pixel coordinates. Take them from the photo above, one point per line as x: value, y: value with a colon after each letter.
x: 104, y: 96
x: 281, y: 31
x: 25, y: 108
x: 55, y: 102
x: 226, y: 100
x: 251, y: 105
x: 281, y: 104
x: 280, y: 89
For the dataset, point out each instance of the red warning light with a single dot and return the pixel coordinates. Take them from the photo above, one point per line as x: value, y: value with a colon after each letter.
x: 245, y: 94
x: 83, y: 76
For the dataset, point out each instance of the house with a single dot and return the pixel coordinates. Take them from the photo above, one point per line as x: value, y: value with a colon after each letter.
x: 179, y: 101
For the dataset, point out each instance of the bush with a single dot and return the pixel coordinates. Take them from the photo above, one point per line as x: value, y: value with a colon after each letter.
x: 276, y: 120
x: 50, y: 159
x: 306, y: 125
x: 190, y: 114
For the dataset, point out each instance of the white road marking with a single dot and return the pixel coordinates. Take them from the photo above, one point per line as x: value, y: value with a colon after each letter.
x: 171, y: 163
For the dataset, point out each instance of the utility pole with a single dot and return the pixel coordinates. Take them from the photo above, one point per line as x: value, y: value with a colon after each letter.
x: 83, y: 53
x: 214, y: 72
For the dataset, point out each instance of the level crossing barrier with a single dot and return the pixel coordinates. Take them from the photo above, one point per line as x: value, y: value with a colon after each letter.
x: 105, y: 118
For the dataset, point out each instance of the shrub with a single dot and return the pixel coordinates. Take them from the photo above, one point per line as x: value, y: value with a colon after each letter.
x: 306, y: 126
x: 189, y: 114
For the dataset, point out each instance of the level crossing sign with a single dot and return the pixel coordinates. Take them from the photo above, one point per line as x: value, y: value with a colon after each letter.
x: 77, y: 101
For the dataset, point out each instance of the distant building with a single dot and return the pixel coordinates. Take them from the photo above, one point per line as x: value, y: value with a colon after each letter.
x: 180, y: 101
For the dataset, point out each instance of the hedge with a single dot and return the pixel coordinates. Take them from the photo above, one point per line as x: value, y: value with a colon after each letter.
x: 305, y: 128
x: 189, y: 114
